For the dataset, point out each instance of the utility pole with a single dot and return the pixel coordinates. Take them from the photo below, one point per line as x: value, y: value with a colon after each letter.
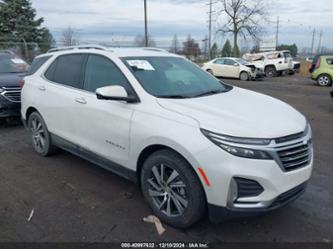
x: 210, y: 29
x: 277, y: 31
x: 313, y: 39
x: 146, y: 24
x: 319, y: 44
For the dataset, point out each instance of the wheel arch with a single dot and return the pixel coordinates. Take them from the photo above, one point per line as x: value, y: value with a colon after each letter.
x: 270, y: 65
x: 29, y: 111
x: 150, y: 149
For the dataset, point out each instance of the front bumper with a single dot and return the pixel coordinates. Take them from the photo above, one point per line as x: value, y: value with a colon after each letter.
x: 277, y: 181
x: 218, y: 214
x: 9, y: 109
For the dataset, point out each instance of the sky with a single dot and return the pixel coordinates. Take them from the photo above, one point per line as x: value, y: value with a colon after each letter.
x: 118, y: 21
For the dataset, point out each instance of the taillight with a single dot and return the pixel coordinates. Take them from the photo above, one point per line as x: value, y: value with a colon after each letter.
x: 21, y: 83
x: 318, y: 64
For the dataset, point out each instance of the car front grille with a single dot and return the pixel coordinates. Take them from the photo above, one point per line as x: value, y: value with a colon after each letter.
x: 12, y: 94
x: 295, y: 156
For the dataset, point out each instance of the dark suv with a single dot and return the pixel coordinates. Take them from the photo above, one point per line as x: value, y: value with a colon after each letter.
x: 12, y: 71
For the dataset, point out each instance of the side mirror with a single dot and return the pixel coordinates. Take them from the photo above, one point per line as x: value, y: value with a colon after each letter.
x: 236, y: 64
x: 116, y: 93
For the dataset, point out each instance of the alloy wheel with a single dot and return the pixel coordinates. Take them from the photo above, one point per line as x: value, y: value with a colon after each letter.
x: 38, y: 134
x: 323, y: 80
x: 167, y: 190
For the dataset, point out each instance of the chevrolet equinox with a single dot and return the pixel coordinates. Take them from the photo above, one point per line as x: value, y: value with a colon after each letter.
x: 194, y: 144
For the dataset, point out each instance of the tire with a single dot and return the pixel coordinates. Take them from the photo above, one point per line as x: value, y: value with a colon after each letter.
x: 183, y: 191
x: 244, y: 76
x: 270, y: 71
x: 40, y: 136
x: 324, y: 80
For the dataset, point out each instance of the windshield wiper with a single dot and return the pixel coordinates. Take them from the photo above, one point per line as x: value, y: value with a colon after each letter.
x: 173, y: 96
x: 209, y: 93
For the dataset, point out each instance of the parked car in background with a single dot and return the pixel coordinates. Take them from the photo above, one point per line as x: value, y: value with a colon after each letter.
x: 273, y: 63
x: 12, y: 71
x: 296, y: 67
x: 194, y: 144
x: 323, y: 71
x: 229, y: 67
x: 315, y: 60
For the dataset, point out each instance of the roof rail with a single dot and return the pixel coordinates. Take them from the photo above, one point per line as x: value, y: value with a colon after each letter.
x: 155, y: 49
x: 98, y: 47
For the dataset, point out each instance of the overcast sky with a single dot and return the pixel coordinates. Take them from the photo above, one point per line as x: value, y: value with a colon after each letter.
x: 107, y: 20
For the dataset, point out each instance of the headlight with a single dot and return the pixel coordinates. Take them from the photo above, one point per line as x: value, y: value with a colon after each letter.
x: 223, y: 141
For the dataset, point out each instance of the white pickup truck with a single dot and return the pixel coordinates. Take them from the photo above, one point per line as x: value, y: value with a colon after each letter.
x: 273, y: 63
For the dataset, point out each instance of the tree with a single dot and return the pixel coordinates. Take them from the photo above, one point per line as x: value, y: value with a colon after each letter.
x: 69, y: 37
x: 139, y: 41
x: 46, y: 40
x: 227, y: 49
x: 292, y: 48
x: 214, y: 50
x: 191, y: 47
x: 243, y: 18
x: 174, y: 48
x: 19, y: 25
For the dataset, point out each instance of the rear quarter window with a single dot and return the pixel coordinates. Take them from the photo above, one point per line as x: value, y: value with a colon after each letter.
x: 329, y: 61
x: 37, y: 63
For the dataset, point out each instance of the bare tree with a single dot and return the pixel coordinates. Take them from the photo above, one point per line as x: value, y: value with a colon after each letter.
x: 243, y: 18
x: 174, y: 48
x: 69, y: 37
x: 139, y: 41
x: 191, y: 48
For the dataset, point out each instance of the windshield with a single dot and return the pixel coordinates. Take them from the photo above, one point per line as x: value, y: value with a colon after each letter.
x: 11, y: 64
x: 241, y: 61
x: 173, y: 77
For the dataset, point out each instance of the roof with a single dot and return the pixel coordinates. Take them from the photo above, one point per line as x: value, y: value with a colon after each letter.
x: 119, y: 52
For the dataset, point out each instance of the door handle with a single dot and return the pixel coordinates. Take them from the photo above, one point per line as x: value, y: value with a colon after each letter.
x: 42, y: 88
x: 81, y: 101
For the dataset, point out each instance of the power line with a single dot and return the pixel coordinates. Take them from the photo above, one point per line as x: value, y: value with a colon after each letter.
x: 319, y: 43
x: 277, y: 31
x: 146, y: 23
x: 313, y: 39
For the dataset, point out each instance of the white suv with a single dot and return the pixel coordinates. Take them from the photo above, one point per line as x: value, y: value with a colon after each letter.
x: 192, y: 143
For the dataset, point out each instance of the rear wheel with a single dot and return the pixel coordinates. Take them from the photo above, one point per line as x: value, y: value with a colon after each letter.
x: 40, y: 136
x: 172, y: 189
x: 324, y: 80
x: 270, y: 71
x: 244, y: 76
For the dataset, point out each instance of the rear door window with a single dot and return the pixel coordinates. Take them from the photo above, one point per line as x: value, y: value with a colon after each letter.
x: 219, y: 61
x: 66, y: 70
x: 229, y: 62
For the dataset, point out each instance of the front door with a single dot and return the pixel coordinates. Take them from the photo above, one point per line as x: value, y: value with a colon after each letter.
x: 103, y: 126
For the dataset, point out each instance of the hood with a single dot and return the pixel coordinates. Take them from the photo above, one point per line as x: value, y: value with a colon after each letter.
x: 240, y: 113
x: 10, y: 79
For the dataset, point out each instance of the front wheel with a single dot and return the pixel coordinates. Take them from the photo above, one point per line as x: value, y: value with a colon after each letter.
x: 172, y: 189
x: 244, y: 76
x: 270, y: 71
x: 40, y: 136
x: 324, y: 80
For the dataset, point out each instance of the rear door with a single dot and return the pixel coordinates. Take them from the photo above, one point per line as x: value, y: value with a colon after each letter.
x: 231, y: 68
x: 59, y: 95
x: 218, y: 67
x: 103, y: 126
